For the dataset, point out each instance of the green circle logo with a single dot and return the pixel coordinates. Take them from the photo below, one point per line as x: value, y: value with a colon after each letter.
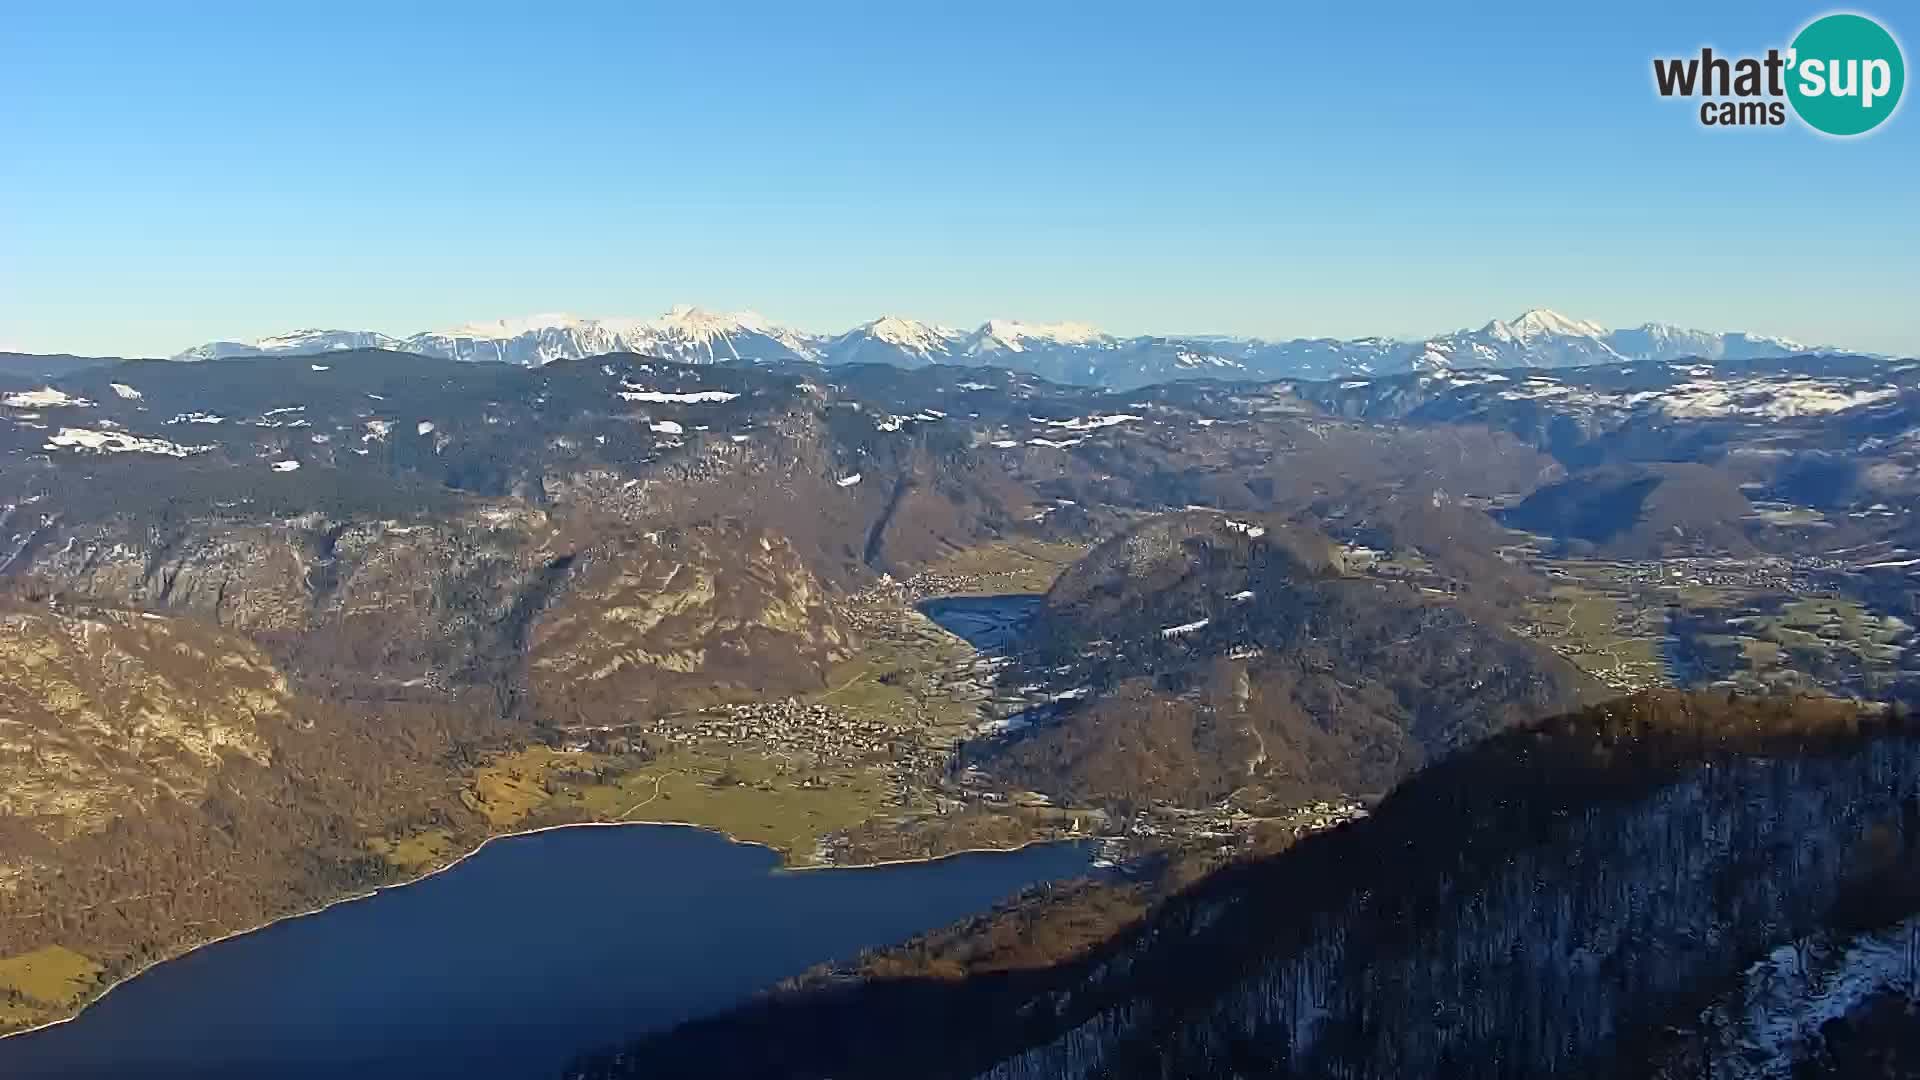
x: 1844, y: 74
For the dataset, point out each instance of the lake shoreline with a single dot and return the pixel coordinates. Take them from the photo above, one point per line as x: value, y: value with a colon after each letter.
x: 782, y: 867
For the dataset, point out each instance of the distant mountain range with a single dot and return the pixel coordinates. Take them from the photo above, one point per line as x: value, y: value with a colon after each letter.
x: 1065, y: 352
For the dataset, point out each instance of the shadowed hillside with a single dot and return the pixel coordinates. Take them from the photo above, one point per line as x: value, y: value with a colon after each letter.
x: 1545, y: 901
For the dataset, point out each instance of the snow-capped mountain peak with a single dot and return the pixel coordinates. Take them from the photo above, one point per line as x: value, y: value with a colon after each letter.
x: 1541, y: 322
x: 891, y: 339
x: 504, y: 329
x: 685, y: 333
x: 721, y: 333
x: 701, y: 323
x: 316, y: 339
x: 1537, y: 338
x: 1010, y: 336
x: 1680, y: 335
x: 1071, y: 352
x: 910, y: 333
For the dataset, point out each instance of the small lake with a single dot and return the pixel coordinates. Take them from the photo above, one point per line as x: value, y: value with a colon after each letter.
x: 512, y: 963
x: 988, y: 623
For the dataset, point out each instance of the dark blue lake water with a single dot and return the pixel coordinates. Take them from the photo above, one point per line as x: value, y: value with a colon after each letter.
x: 510, y: 964
x: 988, y: 623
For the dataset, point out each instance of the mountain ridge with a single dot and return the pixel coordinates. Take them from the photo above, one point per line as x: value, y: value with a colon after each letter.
x: 1067, y: 351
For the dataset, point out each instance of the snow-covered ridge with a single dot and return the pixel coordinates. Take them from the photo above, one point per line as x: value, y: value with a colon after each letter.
x: 1005, y: 335
x: 892, y: 339
x: 1546, y: 338
x: 293, y: 343
x: 684, y: 333
x: 1542, y: 321
x: 1066, y: 351
x: 504, y: 329
x: 910, y: 334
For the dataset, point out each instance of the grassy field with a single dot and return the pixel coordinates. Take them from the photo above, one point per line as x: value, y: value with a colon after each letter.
x: 1760, y: 655
x: 742, y: 794
x: 417, y: 851
x: 1823, y: 624
x: 1848, y: 620
x: 513, y: 786
x: 1598, y: 632
x: 41, y: 985
x: 1606, y: 618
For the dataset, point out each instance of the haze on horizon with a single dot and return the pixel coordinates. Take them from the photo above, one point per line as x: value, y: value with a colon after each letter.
x: 174, y: 177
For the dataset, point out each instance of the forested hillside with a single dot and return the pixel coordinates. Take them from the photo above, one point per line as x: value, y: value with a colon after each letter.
x: 1553, y: 900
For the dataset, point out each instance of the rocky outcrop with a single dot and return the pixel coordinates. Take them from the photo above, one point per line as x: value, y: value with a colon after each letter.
x: 681, y: 617
x: 239, y: 575
x: 102, y: 713
x: 355, y: 601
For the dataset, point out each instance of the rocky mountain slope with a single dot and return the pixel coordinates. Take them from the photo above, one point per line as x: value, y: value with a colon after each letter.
x: 675, y: 618
x: 110, y: 711
x: 165, y: 781
x: 1547, y: 339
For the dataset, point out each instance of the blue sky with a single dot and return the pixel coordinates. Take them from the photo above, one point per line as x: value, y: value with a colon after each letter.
x: 175, y: 173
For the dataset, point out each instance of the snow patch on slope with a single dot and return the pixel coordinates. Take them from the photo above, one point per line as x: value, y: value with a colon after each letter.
x: 45, y: 398
x: 635, y: 392
x: 1784, y: 999
x: 119, y: 442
